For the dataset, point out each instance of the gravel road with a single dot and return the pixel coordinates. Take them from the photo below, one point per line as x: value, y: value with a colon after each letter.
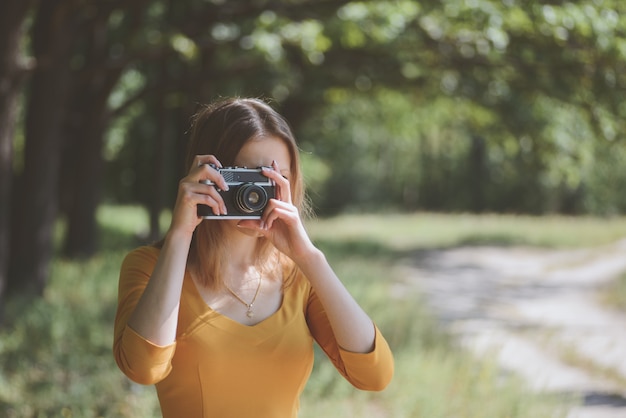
x: 539, y: 311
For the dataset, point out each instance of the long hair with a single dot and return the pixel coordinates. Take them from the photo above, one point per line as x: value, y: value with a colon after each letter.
x: 222, y: 129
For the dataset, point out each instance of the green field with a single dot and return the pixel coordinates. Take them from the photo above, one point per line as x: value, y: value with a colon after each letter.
x: 55, y: 352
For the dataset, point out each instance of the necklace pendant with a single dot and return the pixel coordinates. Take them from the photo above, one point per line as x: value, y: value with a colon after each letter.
x: 249, y: 312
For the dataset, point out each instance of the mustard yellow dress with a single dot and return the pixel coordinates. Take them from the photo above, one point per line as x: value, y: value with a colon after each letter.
x: 220, y: 368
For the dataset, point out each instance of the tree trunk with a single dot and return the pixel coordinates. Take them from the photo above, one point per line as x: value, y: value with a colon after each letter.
x: 12, y: 15
x: 83, y: 167
x: 477, y: 173
x: 86, y: 165
x: 35, y: 192
x: 83, y: 163
x: 159, y: 167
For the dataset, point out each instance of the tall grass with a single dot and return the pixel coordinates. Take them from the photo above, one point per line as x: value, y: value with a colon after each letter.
x: 55, y: 351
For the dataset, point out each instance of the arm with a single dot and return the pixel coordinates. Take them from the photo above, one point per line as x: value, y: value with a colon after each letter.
x: 336, y: 321
x: 352, y: 327
x: 151, y: 282
x: 281, y: 224
x: 141, y: 360
x: 367, y: 371
x: 155, y: 316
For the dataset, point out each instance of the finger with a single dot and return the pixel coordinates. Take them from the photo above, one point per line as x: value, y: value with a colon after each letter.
x: 253, y: 224
x: 206, y: 172
x: 199, y: 193
x: 205, y: 166
x: 214, y: 199
x: 217, y: 208
x: 277, y: 209
x: 279, y: 182
x: 277, y: 213
x: 208, y: 175
x: 199, y: 160
x: 283, y: 188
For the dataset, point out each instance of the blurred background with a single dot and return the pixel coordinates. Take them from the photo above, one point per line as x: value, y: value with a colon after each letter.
x: 422, y: 124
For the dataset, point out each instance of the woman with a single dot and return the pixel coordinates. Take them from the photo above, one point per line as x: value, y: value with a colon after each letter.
x: 222, y: 314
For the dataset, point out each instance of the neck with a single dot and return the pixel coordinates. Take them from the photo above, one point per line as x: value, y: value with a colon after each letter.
x: 241, y: 250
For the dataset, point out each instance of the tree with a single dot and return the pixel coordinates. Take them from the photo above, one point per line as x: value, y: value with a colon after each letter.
x: 518, y: 75
x: 88, y: 116
x: 36, y: 189
x: 12, y: 70
x: 455, y: 106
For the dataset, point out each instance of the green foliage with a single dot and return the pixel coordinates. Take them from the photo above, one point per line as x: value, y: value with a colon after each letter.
x: 607, y: 180
x: 476, y: 106
x: 56, y: 351
x: 386, y: 150
x: 508, y: 106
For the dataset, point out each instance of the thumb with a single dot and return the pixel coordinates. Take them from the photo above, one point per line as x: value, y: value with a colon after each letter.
x: 253, y: 224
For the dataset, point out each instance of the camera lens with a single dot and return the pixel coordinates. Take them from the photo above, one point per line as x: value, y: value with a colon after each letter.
x: 251, y: 198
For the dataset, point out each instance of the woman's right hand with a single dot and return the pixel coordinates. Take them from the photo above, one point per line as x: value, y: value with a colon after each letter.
x: 155, y: 317
x: 191, y: 193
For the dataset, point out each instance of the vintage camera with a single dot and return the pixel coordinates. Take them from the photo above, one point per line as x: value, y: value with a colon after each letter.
x: 248, y: 193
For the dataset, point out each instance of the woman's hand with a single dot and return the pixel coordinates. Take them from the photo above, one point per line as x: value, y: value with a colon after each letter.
x: 280, y: 222
x: 191, y: 193
x: 155, y: 317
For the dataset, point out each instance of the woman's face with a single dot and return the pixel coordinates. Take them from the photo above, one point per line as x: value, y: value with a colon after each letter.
x: 260, y: 152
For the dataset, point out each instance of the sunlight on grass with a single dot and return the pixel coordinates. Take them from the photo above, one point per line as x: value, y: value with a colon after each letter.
x: 428, y: 230
x: 56, y: 350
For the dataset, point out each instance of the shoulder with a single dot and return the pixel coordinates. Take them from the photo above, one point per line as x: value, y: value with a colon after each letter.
x: 137, y: 268
x: 141, y: 257
x: 145, y: 252
x: 293, y: 277
x: 296, y: 287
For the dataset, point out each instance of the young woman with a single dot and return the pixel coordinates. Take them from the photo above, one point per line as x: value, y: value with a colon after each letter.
x: 222, y: 314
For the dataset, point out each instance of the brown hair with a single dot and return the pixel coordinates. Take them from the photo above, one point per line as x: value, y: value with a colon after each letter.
x: 222, y: 129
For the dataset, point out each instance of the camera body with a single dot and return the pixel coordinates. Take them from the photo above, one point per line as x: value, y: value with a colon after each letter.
x: 249, y: 192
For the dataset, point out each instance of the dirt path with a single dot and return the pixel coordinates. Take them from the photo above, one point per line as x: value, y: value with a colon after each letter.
x: 539, y: 312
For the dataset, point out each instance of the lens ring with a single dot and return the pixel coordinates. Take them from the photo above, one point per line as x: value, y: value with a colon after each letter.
x: 251, y: 198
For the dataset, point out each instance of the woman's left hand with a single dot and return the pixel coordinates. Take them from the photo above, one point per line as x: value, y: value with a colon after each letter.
x: 281, y: 222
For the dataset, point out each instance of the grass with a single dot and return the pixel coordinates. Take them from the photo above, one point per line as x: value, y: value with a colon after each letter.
x: 614, y: 295
x: 571, y: 355
x: 55, y: 351
x: 427, y: 230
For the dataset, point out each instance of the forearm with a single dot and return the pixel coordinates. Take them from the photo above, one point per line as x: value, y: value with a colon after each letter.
x: 353, y: 328
x: 156, y: 315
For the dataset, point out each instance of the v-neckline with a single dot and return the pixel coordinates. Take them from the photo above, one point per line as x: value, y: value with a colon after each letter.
x: 207, y: 309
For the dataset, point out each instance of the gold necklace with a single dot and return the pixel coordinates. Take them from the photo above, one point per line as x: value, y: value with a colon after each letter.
x: 249, y: 312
